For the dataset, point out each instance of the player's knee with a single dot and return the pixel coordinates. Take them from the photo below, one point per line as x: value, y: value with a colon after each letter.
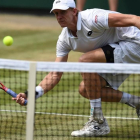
x: 87, y: 58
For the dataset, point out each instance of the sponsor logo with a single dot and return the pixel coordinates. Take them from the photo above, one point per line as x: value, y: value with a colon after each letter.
x: 96, y: 19
x: 89, y: 33
x: 96, y: 127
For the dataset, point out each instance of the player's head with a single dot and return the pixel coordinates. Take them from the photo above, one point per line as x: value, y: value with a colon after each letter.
x: 63, y: 4
x: 65, y: 12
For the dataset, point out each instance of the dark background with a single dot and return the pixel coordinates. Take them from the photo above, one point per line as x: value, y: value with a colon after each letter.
x: 44, y: 6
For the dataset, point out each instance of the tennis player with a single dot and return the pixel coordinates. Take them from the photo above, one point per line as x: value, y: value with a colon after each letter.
x: 103, y: 36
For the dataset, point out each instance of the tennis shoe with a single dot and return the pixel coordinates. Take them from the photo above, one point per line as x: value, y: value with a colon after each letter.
x: 93, y: 128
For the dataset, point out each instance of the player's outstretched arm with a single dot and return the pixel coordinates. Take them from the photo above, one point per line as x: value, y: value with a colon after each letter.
x: 52, y: 78
x: 123, y: 20
x: 48, y: 83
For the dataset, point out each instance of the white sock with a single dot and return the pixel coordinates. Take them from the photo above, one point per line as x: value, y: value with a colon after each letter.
x: 129, y: 99
x: 95, y: 103
x: 96, y: 110
x: 125, y: 97
x: 134, y: 100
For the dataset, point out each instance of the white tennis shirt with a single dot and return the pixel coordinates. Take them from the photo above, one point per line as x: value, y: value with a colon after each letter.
x: 94, y: 32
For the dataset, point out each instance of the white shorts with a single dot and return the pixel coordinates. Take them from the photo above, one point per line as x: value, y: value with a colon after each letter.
x: 114, y: 80
x: 124, y: 52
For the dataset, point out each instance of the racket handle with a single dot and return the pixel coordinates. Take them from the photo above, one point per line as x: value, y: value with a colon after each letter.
x: 13, y: 94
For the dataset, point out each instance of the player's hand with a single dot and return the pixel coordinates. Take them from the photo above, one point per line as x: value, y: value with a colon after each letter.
x: 20, y: 98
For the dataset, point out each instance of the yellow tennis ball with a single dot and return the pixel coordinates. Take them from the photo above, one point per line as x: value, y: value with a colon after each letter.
x: 8, y: 40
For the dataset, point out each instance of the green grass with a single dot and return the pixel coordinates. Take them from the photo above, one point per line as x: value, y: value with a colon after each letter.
x: 38, y: 43
x: 31, y: 45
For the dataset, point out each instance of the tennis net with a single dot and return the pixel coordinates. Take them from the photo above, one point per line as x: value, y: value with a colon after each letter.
x: 62, y: 110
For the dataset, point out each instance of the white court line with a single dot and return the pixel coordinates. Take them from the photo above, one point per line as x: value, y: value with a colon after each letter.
x: 71, y: 115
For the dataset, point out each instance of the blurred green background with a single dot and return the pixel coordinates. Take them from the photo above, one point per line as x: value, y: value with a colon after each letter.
x: 125, y: 6
x: 34, y: 37
x: 35, y: 30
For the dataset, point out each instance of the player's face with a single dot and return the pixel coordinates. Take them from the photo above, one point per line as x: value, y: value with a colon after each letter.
x: 65, y: 17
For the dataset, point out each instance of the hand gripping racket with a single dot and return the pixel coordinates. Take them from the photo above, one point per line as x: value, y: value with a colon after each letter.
x: 10, y: 92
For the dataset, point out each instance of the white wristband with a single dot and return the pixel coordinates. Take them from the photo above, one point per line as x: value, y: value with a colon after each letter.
x: 39, y: 92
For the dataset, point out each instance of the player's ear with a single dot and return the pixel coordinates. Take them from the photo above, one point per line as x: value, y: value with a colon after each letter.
x: 75, y: 11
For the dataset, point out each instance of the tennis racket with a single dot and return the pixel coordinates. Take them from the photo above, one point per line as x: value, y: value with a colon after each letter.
x: 10, y: 92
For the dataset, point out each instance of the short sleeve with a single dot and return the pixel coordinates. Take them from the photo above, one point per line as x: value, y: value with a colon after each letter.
x: 100, y: 19
x: 97, y: 19
x: 62, y: 48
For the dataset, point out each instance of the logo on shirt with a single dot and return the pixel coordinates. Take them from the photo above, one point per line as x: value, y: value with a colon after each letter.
x: 96, y: 19
x: 89, y: 33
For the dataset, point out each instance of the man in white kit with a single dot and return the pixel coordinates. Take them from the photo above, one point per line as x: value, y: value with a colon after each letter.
x: 103, y: 36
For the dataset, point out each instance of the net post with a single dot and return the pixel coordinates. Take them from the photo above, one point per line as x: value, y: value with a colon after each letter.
x: 31, y: 102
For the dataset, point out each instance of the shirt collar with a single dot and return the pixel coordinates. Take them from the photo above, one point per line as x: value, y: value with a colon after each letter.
x: 79, y: 22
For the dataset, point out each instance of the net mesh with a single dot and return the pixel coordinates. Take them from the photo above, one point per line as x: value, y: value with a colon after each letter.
x: 63, y: 110
x: 12, y: 116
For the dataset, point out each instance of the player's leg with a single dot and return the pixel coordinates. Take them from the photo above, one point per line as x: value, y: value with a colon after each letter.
x: 109, y: 94
x: 92, y: 81
x: 97, y: 124
x: 128, y: 52
x: 80, y: 4
x: 107, y: 54
x: 113, y: 5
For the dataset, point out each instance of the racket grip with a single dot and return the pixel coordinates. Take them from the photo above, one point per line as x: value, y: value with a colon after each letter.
x: 13, y: 94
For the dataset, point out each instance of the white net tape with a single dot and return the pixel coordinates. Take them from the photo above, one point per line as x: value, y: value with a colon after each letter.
x: 71, y: 67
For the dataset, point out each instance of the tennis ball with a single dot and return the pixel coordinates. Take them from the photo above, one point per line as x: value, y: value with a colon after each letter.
x: 8, y: 40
